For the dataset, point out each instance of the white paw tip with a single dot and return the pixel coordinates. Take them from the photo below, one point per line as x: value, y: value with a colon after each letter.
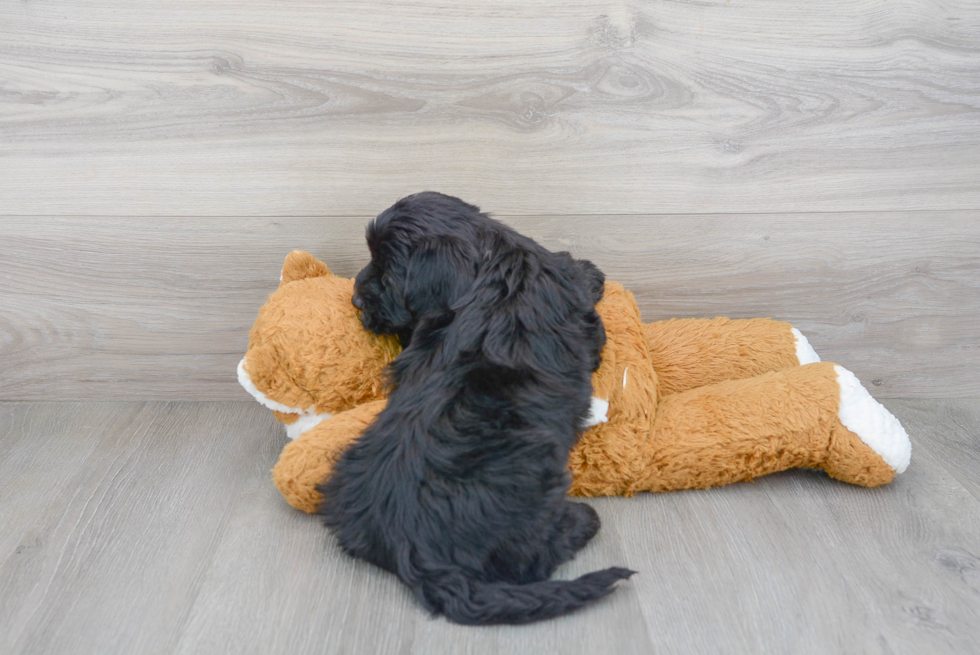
x: 597, y: 412
x: 304, y: 423
x: 804, y: 351
x: 246, y: 381
x: 869, y: 420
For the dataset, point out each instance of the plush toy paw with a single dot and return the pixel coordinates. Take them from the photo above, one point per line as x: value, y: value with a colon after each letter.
x: 307, y: 461
x: 869, y: 420
x: 869, y: 446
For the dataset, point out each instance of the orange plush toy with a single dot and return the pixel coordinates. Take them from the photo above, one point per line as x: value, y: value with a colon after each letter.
x: 679, y: 404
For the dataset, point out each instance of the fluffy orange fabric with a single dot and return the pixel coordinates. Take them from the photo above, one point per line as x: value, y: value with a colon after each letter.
x: 679, y: 349
x: 306, y: 462
x: 307, y: 349
x: 692, y: 403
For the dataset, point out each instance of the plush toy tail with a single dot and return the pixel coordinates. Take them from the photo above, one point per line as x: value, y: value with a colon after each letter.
x: 461, y: 599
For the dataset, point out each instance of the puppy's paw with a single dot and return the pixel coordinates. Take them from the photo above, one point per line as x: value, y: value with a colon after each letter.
x: 579, y: 525
x: 595, y: 279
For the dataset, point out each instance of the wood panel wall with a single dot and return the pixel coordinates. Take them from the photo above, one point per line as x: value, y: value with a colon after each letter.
x: 291, y: 107
x: 129, y: 308
x: 816, y: 162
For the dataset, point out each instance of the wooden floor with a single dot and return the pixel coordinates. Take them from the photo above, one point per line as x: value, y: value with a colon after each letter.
x: 154, y: 528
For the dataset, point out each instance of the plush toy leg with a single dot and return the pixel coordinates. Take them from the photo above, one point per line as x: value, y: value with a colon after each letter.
x: 814, y: 416
x: 692, y: 353
x: 306, y: 462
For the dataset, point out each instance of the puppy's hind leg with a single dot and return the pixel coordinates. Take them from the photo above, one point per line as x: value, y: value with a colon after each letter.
x: 576, y: 527
x: 595, y: 280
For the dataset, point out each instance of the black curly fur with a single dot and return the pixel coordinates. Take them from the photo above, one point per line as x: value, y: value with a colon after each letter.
x: 459, y: 486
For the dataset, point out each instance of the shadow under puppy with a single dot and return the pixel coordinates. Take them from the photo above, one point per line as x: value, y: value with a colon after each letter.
x: 459, y: 487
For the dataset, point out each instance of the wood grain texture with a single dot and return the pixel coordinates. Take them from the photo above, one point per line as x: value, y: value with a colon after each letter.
x: 298, y: 108
x: 157, y: 530
x: 797, y: 562
x: 174, y: 540
x: 280, y: 584
x: 33, y: 456
x: 113, y: 562
x: 951, y: 431
x: 122, y: 308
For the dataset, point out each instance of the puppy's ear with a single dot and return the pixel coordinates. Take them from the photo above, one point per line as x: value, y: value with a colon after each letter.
x: 538, y: 308
x: 439, y: 271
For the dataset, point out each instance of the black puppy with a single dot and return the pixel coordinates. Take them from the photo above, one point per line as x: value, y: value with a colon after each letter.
x: 459, y: 486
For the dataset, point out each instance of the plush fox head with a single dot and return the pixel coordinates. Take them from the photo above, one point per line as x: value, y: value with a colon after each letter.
x: 308, y: 355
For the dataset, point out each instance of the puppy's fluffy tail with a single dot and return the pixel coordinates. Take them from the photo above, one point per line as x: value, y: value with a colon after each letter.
x: 468, y: 601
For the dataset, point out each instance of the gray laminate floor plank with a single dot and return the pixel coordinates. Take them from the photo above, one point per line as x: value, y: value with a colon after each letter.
x: 155, y: 529
x: 279, y: 584
x: 44, y: 449
x: 115, y: 566
x: 49, y: 454
x: 952, y: 428
x: 799, y: 563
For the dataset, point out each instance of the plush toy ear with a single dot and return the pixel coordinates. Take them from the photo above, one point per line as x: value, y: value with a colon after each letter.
x: 300, y: 265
